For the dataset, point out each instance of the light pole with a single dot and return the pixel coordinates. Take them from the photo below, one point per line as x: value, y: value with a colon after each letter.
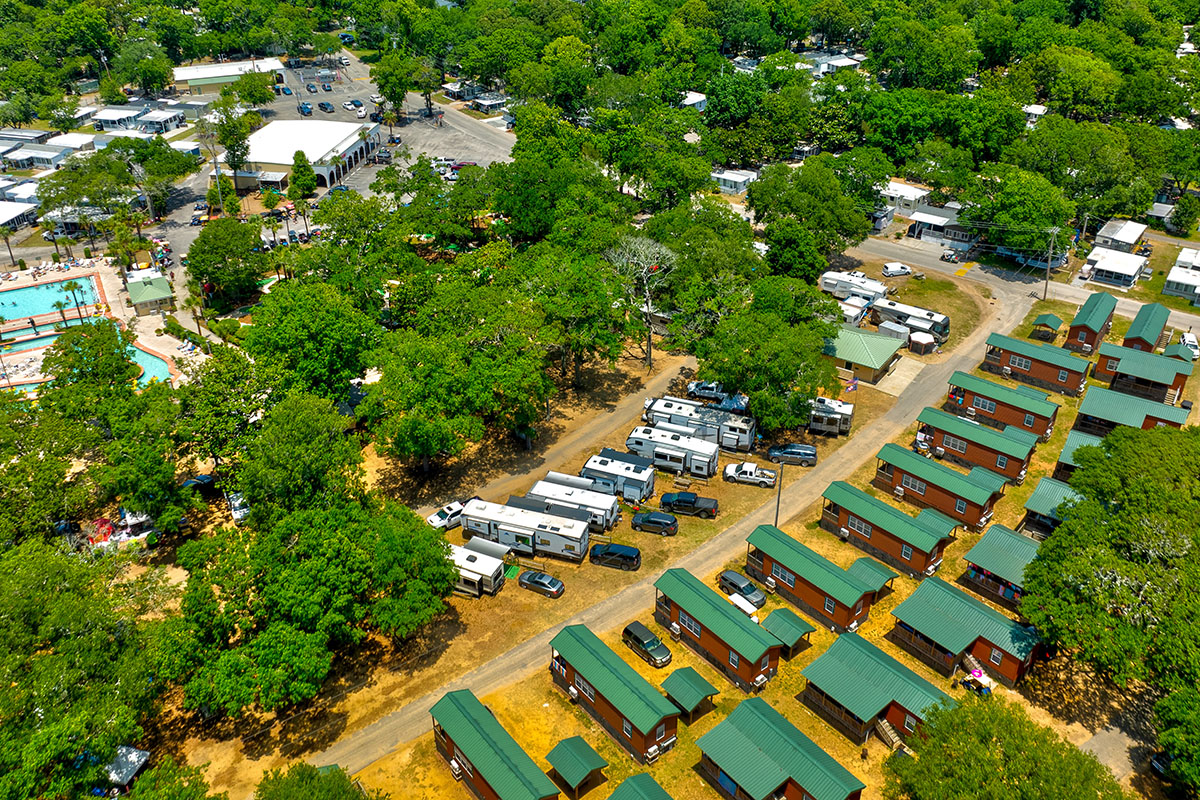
x: 778, y: 492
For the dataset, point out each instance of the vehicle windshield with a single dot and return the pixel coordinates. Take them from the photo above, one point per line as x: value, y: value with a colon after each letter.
x: 445, y: 512
x: 653, y: 642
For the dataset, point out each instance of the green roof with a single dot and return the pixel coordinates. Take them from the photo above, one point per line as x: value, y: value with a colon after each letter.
x: 1009, y: 441
x: 507, y: 768
x: 748, y: 639
x: 857, y: 346
x: 148, y: 290
x: 1146, y: 366
x: 1048, y: 320
x: 954, y: 620
x: 1149, y: 323
x: 1177, y: 350
x: 1024, y: 397
x: 787, y: 626
x: 933, y: 520
x: 865, y: 680
x: 760, y: 751
x: 1046, y: 353
x: 1126, y: 409
x: 827, y: 577
x: 1004, y: 553
x: 687, y: 688
x: 574, y: 759
x: 639, y: 787
x: 1095, y: 311
x: 1048, y: 495
x: 883, y: 515
x: 1076, y: 440
x: 872, y: 573
x: 630, y: 693
x: 977, y: 486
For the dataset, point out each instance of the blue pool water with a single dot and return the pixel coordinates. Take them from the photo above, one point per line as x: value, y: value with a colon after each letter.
x: 28, y: 344
x: 32, y: 301
x: 155, y: 367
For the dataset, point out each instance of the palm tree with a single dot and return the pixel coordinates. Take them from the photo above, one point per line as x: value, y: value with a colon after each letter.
x: 6, y: 234
x: 195, y: 304
x: 61, y: 307
x: 302, y: 209
x: 138, y: 219
x: 71, y: 287
x: 390, y: 118
x: 4, y: 368
x: 273, y: 227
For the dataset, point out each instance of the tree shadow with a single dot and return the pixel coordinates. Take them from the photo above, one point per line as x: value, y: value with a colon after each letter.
x: 1076, y: 694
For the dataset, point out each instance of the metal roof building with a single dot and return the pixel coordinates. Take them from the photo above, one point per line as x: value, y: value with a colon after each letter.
x: 1012, y: 442
x: 687, y: 689
x: 925, y: 532
x: 996, y: 564
x: 1025, y: 398
x: 1103, y: 410
x: 1147, y: 327
x: 978, y: 486
x: 1041, y: 509
x: 639, y: 787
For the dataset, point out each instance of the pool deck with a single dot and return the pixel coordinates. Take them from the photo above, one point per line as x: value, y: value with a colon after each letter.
x: 25, y: 365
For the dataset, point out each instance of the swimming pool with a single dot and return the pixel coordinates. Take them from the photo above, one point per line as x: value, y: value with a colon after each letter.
x: 28, y: 344
x: 153, y: 367
x: 33, y: 301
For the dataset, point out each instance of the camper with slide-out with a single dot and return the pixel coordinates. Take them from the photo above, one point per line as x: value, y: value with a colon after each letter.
x: 844, y: 285
x: 603, y: 509
x: 478, y: 573
x: 674, y: 452
x: 528, y: 533
x: 915, y: 318
x: 724, y: 428
x: 631, y: 477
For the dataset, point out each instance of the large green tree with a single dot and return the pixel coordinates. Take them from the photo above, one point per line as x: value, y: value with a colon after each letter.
x: 224, y: 259
x: 305, y: 780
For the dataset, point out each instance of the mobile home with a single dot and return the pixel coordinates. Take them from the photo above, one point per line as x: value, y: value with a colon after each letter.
x: 632, y: 477
x: 723, y: 428
x: 915, y: 318
x: 843, y: 285
x: 603, y: 509
x: 674, y: 452
x: 478, y: 574
x: 527, y: 532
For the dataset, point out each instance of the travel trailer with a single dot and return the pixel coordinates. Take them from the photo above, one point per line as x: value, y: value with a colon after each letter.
x: 526, y: 532
x: 478, y: 573
x: 674, y: 452
x: 723, y: 428
x: 831, y: 416
x: 916, y: 319
x: 603, y: 509
x: 631, y: 477
x: 843, y: 285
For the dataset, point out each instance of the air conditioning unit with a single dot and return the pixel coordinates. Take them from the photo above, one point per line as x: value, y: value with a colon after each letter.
x: 938, y: 452
x: 1087, y: 348
x: 852, y: 627
x: 844, y: 533
x: 1007, y: 371
x: 760, y: 681
x: 970, y: 411
x: 675, y: 631
x: 898, y: 491
x: 455, y: 769
x: 652, y: 754
x: 573, y: 693
x: 770, y: 584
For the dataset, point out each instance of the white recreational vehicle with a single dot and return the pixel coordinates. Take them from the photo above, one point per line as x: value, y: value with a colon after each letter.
x: 526, y: 532
x: 478, y: 573
x: 674, y: 452
x: 843, y: 285
x: 604, y: 486
x: 915, y: 318
x: 723, y: 428
x: 631, y: 477
x: 603, y: 509
x: 831, y: 416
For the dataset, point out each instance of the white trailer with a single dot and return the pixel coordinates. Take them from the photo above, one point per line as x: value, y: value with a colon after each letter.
x: 723, y: 428
x: 580, y: 482
x: 674, y: 452
x: 915, y: 318
x: 843, y: 285
x: 478, y: 573
x: 528, y: 533
x: 603, y: 509
x: 831, y: 416
x: 630, y: 476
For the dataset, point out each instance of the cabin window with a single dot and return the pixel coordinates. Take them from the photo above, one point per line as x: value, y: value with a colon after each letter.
x: 733, y: 659
x: 782, y: 574
x: 909, y: 482
x: 1063, y: 375
x: 996, y: 657
x: 1001, y: 462
x: 660, y: 732
x: 858, y: 526
x: 906, y: 552
x: 766, y: 661
x: 830, y: 606
x: 1082, y: 336
x: 689, y: 623
x: 1020, y: 363
x: 584, y: 687
x: 910, y: 723
x: 983, y: 404
x: 954, y: 443
x: 1029, y: 420
x: 1113, y: 363
x: 626, y: 729
x: 960, y: 506
x: 858, y: 608
x: 462, y: 762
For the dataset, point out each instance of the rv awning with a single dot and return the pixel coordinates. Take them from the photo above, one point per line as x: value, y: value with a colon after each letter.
x: 928, y: 219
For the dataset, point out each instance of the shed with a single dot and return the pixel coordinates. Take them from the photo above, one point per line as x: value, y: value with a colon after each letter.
x: 894, y: 330
x: 1041, y: 509
x: 575, y: 762
x: 1092, y: 322
x: 639, y: 787
x: 872, y: 573
x: 1146, y: 331
x: 1046, y: 326
x: 687, y: 689
x: 786, y: 626
x: 1120, y: 234
x: 125, y: 766
x: 756, y: 753
x: 996, y: 564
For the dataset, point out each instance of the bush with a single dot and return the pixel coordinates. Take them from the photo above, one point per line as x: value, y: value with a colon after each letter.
x: 230, y: 330
x: 87, y: 252
x: 21, y: 263
x: 54, y: 258
x: 181, y: 333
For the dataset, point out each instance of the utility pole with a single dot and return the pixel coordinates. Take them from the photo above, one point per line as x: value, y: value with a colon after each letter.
x: 778, y: 492
x: 1049, y: 261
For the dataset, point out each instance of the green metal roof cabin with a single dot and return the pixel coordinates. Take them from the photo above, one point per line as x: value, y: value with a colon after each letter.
x: 868, y: 355
x: 854, y: 683
x: 996, y: 565
x: 639, y: 787
x: 1103, y: 411
x: 755, y: 753
x: 994, y: 404
x: 964, y: 441
x: 1042, y: 365
x: 1141, y: 373
x: 1147, y: 327
x: 486, y: 757
x: 926, y: 483
x: 1041, y: 509
x: 940, y: 625
x: 1066, y: 459
x: 1092, y: 322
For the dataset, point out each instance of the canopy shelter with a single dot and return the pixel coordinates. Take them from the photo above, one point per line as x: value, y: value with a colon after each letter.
x: 575, y: 762
x: 687, y: 689
x: 1046, y: 326
x: 789, y: 628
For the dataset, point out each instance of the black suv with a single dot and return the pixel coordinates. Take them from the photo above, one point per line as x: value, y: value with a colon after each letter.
x: 803, y: 454
x: 656, y: 522
x: 326, y: 107
x: 618, y: 556
x: 642, y: 641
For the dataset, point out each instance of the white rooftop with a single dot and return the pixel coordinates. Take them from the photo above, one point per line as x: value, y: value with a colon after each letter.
x: 1116, y: 261
x: 10, y: 211
x: 929, y: 219
x: 227, y: 69
x: 1037, y: 109
x: 277, y: 142
x: 1188, y: 277
x: 844, y: 61
x: 116, y: 114
x: 26, y: 191
x: 692, y: 98
x: 128, y: 135
x: 160, y: 116
x: 898, y: 189
x: 74, y: 141
x: 1187, y: 258
x: 1125, y: 231
x: 734, y: 175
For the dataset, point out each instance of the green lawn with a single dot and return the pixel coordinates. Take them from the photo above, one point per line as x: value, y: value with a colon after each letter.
x: 944, y: 296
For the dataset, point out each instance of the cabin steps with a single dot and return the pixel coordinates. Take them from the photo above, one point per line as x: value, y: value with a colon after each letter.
x: 887, y: 733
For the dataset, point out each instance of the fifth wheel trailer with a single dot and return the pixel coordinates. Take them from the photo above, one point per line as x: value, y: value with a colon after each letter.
x: 604, y: 510
x: 631, y: 477
x: 674, y: 452
x: 528, y: 533
x: 478, y: 574
x: 723, y: 428
x: 915, y: 318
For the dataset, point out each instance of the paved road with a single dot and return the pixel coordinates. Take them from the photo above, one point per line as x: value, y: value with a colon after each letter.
x: 357, y: 751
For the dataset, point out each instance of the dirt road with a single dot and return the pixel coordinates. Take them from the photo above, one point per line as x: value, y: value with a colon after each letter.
x: 376, y: 741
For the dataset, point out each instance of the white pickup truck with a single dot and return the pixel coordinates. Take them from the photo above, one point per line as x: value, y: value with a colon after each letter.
x: 749, y: 472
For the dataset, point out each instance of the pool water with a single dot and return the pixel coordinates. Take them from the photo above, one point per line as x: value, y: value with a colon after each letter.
x: 28, y: 344
x: 32, y: 301
x: 153, y: 367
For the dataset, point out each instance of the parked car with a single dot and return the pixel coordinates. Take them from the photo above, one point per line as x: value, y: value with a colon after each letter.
x: 312, y: 88
x: 201, y: 206
x: 457, y: 165
x: 751, y: 473
x: 541, y: 583
x: 305, y: 109
x: 326, y: 87
x: 361, y: 113
x: 196, y: 221
x: 731, y: 582
x: 344, y: 60
x: 1160, y: 765
x: 794, y: 453
x: 618, y: 556
x: 375, y: 116
x: 347, y: 38
x: 706, y: 390
x: 689, y: 503
x: 326, y: 107
x: 348, y: 105
x: 356, y: 103
x: 287, y: 90
x: 894, y: 269
x: 204, y: 484
x: 656, y: 522
x: 641, y: 640
x: 1188, y: 340
x: 341, y: 187
x: 448, y: 516
x: 238, y: 507
x: 377, y: 99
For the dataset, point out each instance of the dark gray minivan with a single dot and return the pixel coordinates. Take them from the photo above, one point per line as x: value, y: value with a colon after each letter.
x: 642, y: 641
